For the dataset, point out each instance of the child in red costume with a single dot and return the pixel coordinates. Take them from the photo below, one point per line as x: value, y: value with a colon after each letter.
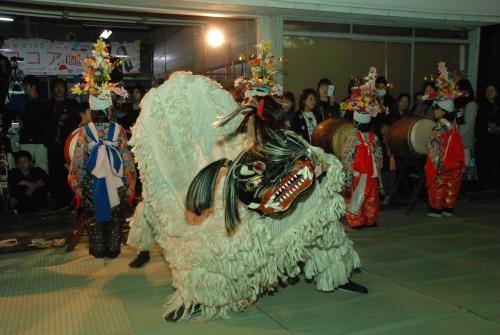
x: 445, y: 151
x: 362, y: 157
x: 445, y: 162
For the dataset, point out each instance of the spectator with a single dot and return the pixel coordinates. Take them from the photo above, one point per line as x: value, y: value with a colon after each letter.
x: 289, y: 108
x: 466, y: 109
x: 63, y: 119
x: 131, y: 110
x: 402, y: 106
x: 381, y: 126
x: 62, y: 111
x: 27, y: 185
x: 326, y: 106
x: 33, y: 118
x: 5, y: 69
x: 457, y: 75
x: 488, y: 137
x: 4, y: 138
x: 418, y: 103
x: 425, y: 109
x: 386, y: 100
x: 305, y: 121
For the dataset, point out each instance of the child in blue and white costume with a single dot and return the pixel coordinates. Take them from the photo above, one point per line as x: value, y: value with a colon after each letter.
x: 102, y: 174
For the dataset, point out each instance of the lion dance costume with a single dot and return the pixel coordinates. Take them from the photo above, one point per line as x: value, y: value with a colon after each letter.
x: 445, y: 151
x: 362, y: 156
x: 235, y: 211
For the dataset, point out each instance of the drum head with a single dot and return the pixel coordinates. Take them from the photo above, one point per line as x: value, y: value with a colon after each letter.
x: 70, y: 145
x: 419, y: 135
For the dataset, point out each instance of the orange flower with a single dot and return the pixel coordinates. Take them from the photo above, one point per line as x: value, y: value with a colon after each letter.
x: 88, y: 62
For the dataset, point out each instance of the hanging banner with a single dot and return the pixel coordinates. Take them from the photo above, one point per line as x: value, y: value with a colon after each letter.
x: 46, y: 57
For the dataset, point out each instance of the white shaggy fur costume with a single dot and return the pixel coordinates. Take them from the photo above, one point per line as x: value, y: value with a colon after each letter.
x: 172, y: 140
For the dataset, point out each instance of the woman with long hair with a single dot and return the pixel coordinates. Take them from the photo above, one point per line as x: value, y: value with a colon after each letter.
x: 305, y: 120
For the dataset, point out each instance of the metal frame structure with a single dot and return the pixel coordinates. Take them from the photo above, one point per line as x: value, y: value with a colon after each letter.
x: 472, y: 42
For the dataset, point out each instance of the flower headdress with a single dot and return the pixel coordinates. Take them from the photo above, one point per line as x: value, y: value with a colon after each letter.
x: 97, y: 76
x: 446, y: 92
x: 264, y: 66
x: 446, y: 87
x: 363, y: 102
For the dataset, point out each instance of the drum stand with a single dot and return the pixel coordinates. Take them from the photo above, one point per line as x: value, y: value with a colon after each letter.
x: 403, y: 174
x: 83, y: 221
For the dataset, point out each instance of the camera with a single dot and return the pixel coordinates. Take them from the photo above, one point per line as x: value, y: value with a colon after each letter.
x: 331, y: 90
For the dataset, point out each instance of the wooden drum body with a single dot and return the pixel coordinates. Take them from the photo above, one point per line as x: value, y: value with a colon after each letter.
x: 408, y: 136
x: 70, y: 144
x: 331, y: 135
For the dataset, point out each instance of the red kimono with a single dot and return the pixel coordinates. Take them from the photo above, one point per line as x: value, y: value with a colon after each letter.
x: 444, y: 167
x: 362, y: 162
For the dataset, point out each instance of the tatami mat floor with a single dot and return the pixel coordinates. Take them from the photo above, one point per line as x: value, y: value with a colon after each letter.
x: 426, y: 276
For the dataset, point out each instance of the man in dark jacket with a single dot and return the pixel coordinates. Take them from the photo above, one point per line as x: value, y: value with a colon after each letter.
x: 5, y: 69
x: 27, y: 184
x: 32, y: 115
x: 63, y: 118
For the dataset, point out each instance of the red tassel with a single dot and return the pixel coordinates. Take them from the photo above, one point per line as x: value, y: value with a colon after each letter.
x: 260, y: 109
x: 130, y: 199
x: 78, y: 202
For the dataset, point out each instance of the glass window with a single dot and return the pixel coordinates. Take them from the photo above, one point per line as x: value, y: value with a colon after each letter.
x: 381, y: 30
x: 399, y: 67
x: 427, y: 56
x: 310, y: 59
x: 366, y: 54
x: 291, y: 25
x: 442, y: 33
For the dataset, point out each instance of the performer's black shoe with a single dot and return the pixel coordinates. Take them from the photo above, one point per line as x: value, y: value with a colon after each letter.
x: 447, y: 211
x: 99, y: 255
x: 141, y: 259
x: 175, y: 316
x: 113, y: 254
x: 353, y: 287
x: 435, y: 213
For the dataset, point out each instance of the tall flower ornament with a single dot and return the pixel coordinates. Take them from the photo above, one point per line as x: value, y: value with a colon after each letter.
x: 263, y: 67
x: 446, y: 88
x: 363, y: 99
x: 96, y: 78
